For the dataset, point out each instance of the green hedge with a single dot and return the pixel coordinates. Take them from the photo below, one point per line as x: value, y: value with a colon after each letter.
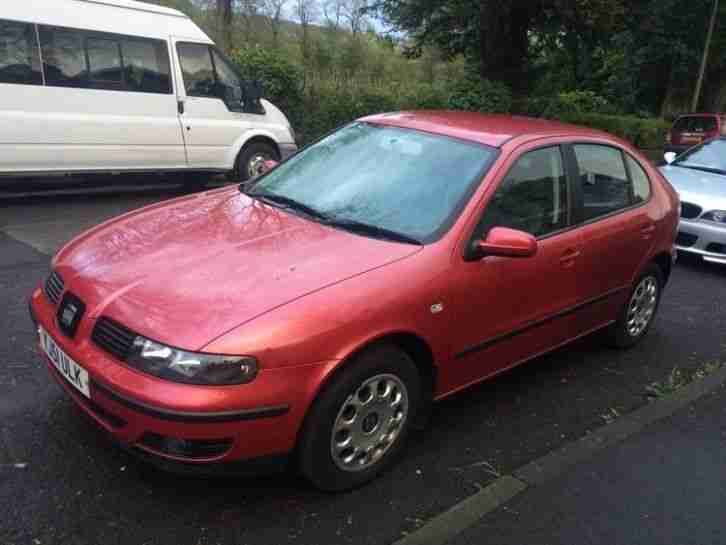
x: 643, y: 133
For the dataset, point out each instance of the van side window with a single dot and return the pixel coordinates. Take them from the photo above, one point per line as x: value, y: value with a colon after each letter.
x: 146, y: 66
x: 198, y: 70
x: 19, y: 56
x: 104, y: 63
x: 604, y: 182
x: 64, y: 57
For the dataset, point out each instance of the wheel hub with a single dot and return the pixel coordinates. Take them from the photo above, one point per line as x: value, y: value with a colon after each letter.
x: 369, y: 422
x: 256, y: 164
x: 642, y: 306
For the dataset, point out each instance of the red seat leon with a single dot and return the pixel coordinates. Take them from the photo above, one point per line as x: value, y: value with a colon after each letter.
x: 319, y: 311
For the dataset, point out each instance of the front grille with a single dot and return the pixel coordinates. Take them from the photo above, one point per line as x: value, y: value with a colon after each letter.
x: 54, y: 287
x: 686, y: 239
x: 690, y: 211
x: 113, y: 337
x: 716, y: 248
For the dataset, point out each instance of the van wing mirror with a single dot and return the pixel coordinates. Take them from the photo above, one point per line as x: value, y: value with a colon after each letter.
x: 669, y: 157
x: 253, y: 91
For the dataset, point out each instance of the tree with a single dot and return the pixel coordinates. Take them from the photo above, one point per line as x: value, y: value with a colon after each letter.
x: 273, y: 10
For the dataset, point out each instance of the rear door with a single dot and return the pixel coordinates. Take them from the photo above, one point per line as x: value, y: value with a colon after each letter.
x: 694, y: 129
x: 611, y: 191
x: 212, y: 123
x: 107, y: 104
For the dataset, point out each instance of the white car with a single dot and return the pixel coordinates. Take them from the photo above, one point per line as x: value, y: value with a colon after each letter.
x: 124, y: 86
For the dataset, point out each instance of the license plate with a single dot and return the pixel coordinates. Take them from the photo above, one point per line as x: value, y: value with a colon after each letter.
x: 71, y: 371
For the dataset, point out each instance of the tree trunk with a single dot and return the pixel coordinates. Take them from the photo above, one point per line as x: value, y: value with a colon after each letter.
x: 503, y: 43
x: 224, y: 23
x: 704, y: 58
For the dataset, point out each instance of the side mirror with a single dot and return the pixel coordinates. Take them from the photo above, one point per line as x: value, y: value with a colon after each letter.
x: 505, y: 242
x: 233, y: 95
x: 669, y: 157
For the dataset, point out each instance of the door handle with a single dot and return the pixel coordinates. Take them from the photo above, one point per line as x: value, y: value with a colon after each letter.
x: 647, y: 230
x: 180, y: 106
x: 569, y: 256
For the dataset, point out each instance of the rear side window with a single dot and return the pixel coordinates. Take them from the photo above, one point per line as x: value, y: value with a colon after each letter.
x: 64, y: 57
x: 603, y: 179
x: 532, y: 198
x: 641, y: 183
x: 104, y: 63
x: 146, y: 66
x: 19, y: 55
x: 198, y: 70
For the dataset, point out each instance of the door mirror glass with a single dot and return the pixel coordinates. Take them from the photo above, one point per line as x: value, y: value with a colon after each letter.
x: 669, y: 157
x: 505, y: 242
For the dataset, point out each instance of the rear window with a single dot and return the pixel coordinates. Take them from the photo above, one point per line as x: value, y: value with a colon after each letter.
x: 700, y: 123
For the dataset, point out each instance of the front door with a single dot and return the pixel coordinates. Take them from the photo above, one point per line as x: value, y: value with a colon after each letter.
x: 212, y: 119
x: 508, y: 309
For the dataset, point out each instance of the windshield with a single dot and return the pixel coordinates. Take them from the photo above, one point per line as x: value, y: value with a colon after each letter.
x: 710, y: 156
x: 399, y: 180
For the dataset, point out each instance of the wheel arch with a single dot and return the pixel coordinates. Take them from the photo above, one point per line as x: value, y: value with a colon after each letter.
x: 249, y: 138
x: 665, y: 263
x: 414, y: 345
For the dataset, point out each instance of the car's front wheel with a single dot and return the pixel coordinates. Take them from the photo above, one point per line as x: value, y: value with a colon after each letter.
x: 359, y: 424
x: 639, y: 312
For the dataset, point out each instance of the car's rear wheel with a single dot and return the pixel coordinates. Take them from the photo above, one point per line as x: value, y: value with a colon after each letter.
x: 639, y: 312
x: 359, y: 424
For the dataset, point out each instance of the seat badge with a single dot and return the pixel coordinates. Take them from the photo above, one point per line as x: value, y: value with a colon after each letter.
x: 436, y: 308
x: 69, y: 314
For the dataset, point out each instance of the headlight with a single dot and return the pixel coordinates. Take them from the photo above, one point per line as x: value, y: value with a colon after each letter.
x: 190, y: 367
x: 719, y: 216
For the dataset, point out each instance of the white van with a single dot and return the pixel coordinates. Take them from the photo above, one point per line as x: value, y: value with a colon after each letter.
x: 125, y: 86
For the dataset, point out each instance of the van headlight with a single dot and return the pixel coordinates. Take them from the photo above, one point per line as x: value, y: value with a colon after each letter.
x: 719, y: 216
x: 190, y: 367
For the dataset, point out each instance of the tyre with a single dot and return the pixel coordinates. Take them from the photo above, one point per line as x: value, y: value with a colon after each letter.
x: 359, y: 424
x: 252, y: 157
x: 639, y: 312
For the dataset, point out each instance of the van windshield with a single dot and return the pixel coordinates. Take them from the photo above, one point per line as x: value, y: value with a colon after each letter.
x: 400, y: 181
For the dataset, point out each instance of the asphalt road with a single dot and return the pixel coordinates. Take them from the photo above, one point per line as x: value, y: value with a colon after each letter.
x: 63, y: 481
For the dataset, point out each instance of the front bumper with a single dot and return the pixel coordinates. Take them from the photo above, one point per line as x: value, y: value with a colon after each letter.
x: 206, y: 425
x: 702, y: 238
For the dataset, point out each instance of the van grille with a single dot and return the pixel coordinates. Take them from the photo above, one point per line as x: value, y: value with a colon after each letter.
x: 54, y: 287
x: 113, y: 337
x: 690, y: 211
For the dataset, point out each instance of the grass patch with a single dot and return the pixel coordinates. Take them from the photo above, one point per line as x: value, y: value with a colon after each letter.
x: 678, y: 378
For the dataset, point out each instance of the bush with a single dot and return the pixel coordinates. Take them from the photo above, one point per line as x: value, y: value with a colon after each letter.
x: 476, y: 94
x: 643, y: 133
x: 573, y: 102
x: 280, y: 77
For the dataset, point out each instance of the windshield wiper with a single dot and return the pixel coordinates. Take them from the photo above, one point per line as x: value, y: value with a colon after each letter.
x: 371, y: 230
x: 290, y: 204
x: 704, y: 169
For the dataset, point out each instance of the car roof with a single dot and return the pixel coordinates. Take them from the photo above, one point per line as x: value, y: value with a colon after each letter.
x: 489, y: 129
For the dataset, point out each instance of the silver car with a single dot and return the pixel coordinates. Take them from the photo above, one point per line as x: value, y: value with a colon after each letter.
x: 699, y: 177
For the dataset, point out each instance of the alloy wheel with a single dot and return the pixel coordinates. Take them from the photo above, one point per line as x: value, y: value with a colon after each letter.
x: 369, y: 422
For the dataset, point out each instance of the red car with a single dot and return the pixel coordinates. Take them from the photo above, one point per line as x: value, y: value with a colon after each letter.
x: 320, y: 311
x: 694, y: 129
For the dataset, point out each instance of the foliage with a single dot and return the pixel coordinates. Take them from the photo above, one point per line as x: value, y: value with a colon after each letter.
x: 571, y: 102
x: 280, y: 77
x: 643, y: 133
x: 480, y: 95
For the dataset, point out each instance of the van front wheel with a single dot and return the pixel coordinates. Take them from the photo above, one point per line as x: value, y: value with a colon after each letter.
x: 251, y: 159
